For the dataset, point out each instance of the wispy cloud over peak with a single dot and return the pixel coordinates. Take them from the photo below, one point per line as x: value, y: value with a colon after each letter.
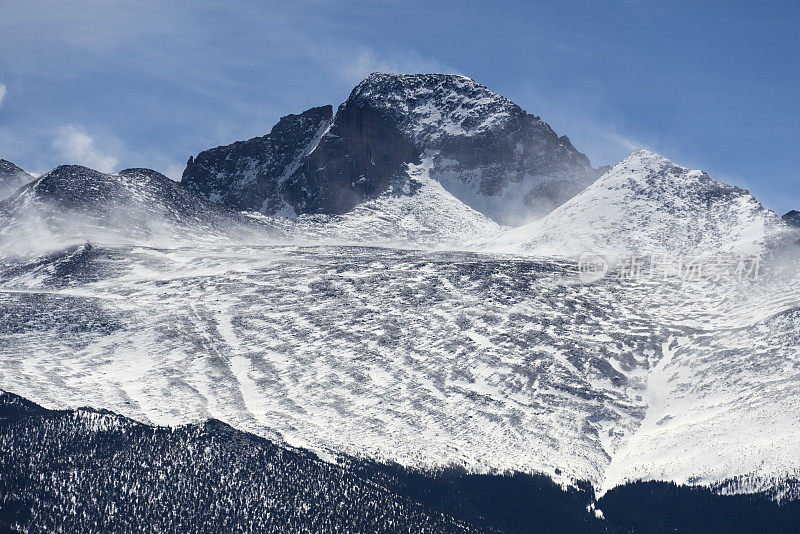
x: 75, y: 146
x: 366, y: 61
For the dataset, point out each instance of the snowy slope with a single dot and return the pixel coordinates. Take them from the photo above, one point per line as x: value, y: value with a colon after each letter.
x: 648, y: 205
x: 415, y: 212
x: 428, y: 359
x: 723, y: 400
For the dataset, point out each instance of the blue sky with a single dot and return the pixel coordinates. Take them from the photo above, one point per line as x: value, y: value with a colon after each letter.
x: 119, y: 83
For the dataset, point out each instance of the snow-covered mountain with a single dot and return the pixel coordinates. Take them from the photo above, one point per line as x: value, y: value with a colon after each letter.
x: 648, y: 205
x: 487, y: 361
x: 391, y: 317
x: 11, y: 178
x: 73, y: 204
x: 484, y: 149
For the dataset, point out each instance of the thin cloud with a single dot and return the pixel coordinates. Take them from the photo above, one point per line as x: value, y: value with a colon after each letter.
x: 75, y: 146
x: 174, y: 171
x: 3, y: 91
x: 622, y: 141
x: 366, y: 61
x: 589, y: 122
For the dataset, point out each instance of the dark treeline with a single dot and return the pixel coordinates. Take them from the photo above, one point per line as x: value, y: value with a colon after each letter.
x: 655, y: 507
x: 505, y: 503
x: 94, y: 471
x: 90, y: 471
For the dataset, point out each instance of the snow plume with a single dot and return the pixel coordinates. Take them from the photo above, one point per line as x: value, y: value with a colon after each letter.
x: 45, y: 227
x: 75, y: 146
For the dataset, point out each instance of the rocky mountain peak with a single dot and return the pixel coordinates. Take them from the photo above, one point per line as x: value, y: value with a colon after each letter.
x: 650, y: 175
x: 481, y: 147
x: 430, y: 107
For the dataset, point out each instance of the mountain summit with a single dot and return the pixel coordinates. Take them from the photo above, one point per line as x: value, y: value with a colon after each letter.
x: 647, y: 204
x: 481, y: 147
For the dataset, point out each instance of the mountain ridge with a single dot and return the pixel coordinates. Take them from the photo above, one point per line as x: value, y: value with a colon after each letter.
x: 648, y: 205
x: 259, y: 166
x: 73, y: 204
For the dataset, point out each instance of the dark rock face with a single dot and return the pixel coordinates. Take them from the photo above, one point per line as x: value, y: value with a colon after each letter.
x: 480, y: 146
x: 354, y: 161
x: 11, y: 178
x: 252, y: 175
x: 792, y: 218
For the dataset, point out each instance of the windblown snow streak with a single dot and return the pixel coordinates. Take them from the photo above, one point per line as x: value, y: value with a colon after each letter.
x: 429, y: 359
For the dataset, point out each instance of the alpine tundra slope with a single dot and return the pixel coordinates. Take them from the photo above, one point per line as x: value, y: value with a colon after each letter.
x: 496, y: 362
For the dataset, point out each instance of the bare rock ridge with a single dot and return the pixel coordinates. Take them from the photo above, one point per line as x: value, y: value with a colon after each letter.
x: 792, y: 218
x: 254, y: 174
x: 484, y: 149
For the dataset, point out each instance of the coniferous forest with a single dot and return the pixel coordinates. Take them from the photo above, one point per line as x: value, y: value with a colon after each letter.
x: 94, y: 471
